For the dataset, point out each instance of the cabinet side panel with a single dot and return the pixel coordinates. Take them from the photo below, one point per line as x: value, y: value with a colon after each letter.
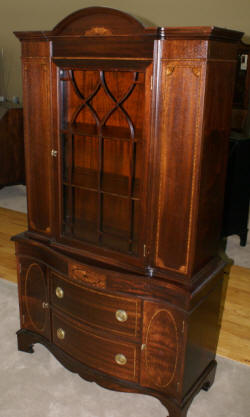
x: 180, y: 131
x: 37, y: 120
x: 218, y: 108
x: 203, y: 333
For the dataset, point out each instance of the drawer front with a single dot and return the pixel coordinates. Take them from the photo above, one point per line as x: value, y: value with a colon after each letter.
x: 117, y: 314
x: 114, y: 358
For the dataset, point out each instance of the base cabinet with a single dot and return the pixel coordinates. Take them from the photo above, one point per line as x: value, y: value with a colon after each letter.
x: 122, y: 338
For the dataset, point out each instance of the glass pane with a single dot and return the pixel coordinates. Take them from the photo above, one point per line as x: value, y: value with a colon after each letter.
x: 67, y: 210
x: 81, y: 213
x: 136, y: 226
x: 81, y: 161
x: 86, y: 215
x: 116, y: 166
x: 85, y: 171
x: 116, y: 222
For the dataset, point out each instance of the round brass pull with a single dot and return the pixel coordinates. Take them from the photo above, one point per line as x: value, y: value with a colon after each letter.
x: 120, y: 359
x: 121, y: 315
x: 59, y: 292
x: 60, y: 333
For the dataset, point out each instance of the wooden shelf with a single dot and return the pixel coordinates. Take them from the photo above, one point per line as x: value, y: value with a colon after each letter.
x: 110, y: 132
x: 101, y: 191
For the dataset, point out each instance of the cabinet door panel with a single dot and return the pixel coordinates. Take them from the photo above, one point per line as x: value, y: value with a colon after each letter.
x: 37, y: 118
x: 162, y: 341
x: 104, y: 142
x: 34, y: 298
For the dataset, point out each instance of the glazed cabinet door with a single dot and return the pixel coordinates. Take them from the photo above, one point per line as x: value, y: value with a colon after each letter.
x: 38, y: 147
x: 33, y: 297
x: 162, y: 344
x: 104, y: 139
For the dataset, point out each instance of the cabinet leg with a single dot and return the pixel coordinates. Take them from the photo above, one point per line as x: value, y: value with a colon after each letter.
x: 243, y: 237
x: 210, y: 379
x: 24, y: 341
x: 176, y: 411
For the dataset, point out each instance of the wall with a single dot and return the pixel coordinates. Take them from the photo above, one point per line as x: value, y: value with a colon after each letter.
x: 35, y: 15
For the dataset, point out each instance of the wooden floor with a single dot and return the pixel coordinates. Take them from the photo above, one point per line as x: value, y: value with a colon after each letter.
x: 11, y: 223
x: 234, y: 339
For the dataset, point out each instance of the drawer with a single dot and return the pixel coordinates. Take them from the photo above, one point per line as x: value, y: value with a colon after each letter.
x: 88, y: 275
x: 115, y: 313
x: 111, y: 357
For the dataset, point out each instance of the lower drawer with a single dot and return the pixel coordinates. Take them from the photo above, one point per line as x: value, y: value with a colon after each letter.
x: 114, y: 358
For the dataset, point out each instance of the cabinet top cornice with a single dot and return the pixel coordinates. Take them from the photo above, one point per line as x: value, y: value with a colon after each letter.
x: 105, y: 22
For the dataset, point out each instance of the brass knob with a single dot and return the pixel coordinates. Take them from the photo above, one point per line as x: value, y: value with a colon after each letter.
x: 45, y: 305
x: 54, y: 153
x: 120, y: 359
x: 60, y: 333
x: 121, y: 315
x: 59, y: 292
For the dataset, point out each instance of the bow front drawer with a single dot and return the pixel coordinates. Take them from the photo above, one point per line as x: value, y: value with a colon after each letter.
x: 115, y: 358
x: 118, y: 314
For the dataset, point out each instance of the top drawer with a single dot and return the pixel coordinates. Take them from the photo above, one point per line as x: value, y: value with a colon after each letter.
x: 115, y: 313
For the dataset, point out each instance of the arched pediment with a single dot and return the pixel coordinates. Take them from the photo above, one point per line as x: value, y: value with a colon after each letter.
x: 102, y: 21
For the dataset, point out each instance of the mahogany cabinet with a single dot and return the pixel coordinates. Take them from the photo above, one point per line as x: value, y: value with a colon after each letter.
x: 126, y: 137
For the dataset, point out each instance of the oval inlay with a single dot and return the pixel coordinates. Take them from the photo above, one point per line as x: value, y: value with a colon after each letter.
x: 35, y: 296
x: 162, y: 348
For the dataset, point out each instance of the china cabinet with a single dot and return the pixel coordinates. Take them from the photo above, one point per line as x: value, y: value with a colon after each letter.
x: 126, y: 136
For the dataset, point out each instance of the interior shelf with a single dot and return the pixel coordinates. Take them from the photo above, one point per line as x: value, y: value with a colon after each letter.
x: 101, y: 191
x: 111, y: 132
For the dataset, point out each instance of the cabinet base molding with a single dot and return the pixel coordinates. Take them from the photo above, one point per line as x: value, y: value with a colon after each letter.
x: 26, y: 340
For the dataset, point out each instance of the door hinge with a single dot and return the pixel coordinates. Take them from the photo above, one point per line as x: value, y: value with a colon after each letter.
x: 145, y: 251
x: 183, y: 326
x: 23, y: 318
x: 20, y: 268
x: 243, y: 62
x: 150, y: 271
x: 151, y: 82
